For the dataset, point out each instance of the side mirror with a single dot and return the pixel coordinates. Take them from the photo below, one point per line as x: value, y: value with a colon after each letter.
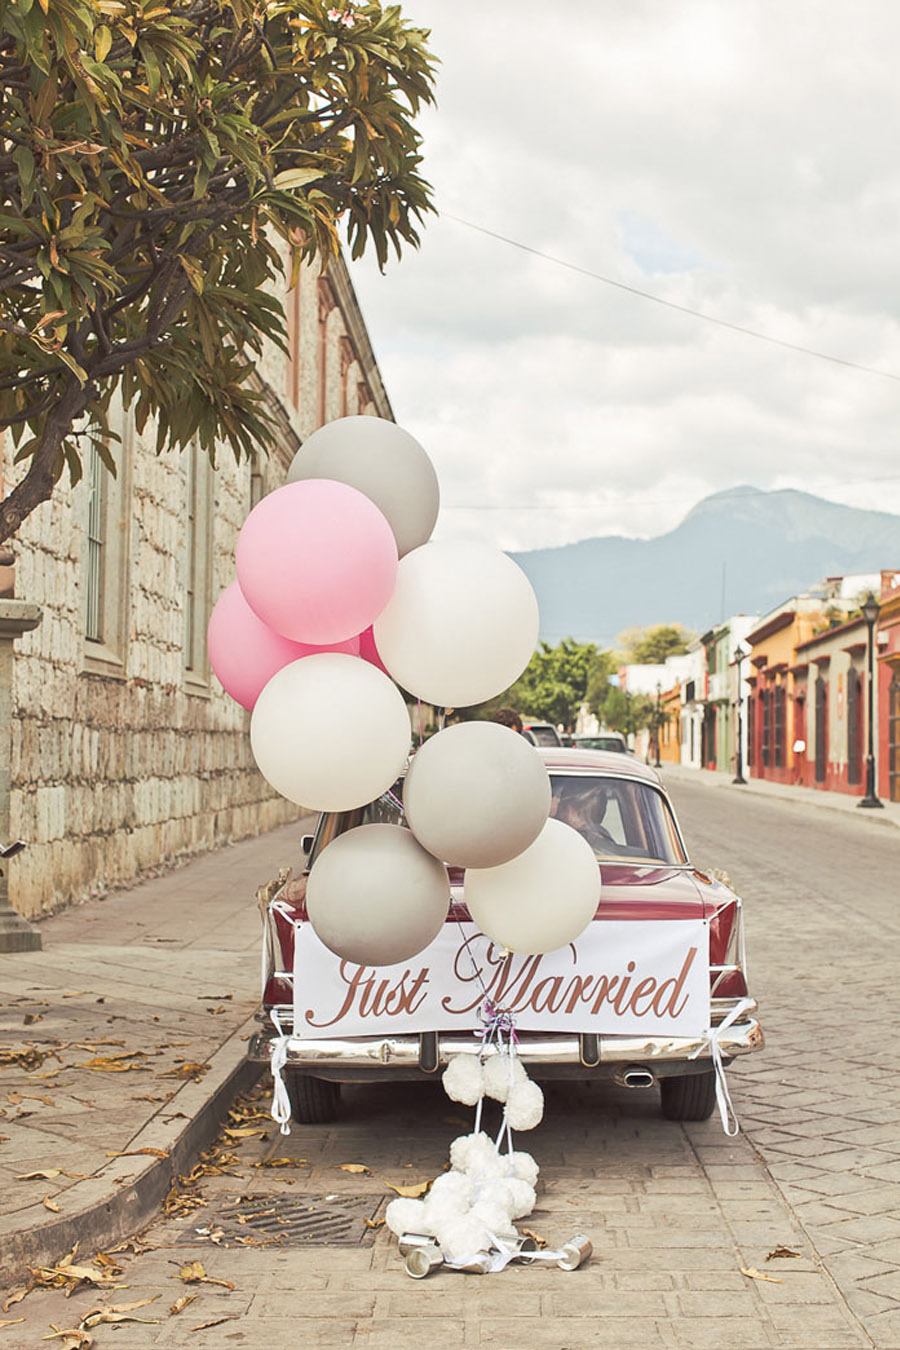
x: 306, y: 843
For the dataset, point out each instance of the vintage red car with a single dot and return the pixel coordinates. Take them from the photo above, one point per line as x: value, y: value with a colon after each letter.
x: 648, y: 886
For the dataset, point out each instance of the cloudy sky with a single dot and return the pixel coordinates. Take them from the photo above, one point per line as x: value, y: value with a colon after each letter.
x: 740, y: 159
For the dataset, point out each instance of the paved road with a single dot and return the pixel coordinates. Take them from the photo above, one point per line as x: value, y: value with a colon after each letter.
x: 822, y: 1106
x: 675, y: 1212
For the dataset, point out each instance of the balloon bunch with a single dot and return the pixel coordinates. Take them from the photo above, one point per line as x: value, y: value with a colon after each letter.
x: 341, y: 601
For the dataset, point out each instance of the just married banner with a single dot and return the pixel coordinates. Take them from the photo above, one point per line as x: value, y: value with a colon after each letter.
x: 619, y: 978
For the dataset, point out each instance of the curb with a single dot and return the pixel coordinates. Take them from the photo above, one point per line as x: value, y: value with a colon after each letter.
x: 117, y: 1211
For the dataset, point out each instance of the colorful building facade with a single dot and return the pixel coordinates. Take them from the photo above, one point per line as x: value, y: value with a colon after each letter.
x: 888, y: 678
x: 830, y: 694
x: 776, y: 728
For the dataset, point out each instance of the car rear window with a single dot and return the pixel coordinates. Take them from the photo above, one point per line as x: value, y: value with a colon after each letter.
x: 619, y: 817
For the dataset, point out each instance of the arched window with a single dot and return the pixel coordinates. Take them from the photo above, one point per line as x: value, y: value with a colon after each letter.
x: 854, y: 726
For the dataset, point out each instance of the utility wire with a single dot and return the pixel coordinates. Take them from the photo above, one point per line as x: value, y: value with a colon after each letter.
x: 671, y: 304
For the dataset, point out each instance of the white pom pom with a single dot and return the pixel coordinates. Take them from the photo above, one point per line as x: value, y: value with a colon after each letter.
x: 463, y: 1080
x: 497, y: 1072
x: 454, y: 1184
x: 495, y: 1218
x: 472, y: 1152
x: 523, y: 1166
x: 525, y: 1106
x: 494, y: 1190
x: 406, y: 1216
x: 523, y: 1198
x: 462, y: 1237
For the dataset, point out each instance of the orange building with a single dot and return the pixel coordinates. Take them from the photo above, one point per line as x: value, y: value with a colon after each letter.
x: 776, y: 731
x: 670, y: 725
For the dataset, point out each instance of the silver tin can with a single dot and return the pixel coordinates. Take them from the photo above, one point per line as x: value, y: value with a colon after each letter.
x: 420, y: 1261
x: 410, y: 1241
x: 575, y: 1253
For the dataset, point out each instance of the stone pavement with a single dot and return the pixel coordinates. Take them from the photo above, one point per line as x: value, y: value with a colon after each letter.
x: 674, y: 1215
x: 116, y: 1035
x: 822, y: 1105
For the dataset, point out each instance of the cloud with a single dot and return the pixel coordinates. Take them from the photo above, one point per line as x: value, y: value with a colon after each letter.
x: 735, y: 159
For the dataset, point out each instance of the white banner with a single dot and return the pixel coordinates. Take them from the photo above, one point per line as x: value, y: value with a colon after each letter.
x: 619, y: 978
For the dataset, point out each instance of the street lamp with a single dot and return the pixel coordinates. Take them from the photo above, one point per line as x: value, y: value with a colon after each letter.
x: 739, y: 779
x: 658, y: 721
x: 870, y: 612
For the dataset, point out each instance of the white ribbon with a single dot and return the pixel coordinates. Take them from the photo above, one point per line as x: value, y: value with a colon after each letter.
x: 711, y: 1039
x: 281, y: 1103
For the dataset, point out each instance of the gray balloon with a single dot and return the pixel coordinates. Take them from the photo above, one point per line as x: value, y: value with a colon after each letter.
x: 375, y: 897
x: 382, y: 461
x: 476, y: 795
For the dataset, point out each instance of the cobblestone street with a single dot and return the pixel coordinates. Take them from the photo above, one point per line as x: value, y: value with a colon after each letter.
x: 675, y: 1212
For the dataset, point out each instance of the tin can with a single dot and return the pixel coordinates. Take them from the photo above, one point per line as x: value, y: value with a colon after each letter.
x: 575, y: 1253
x: 420, y: 1261
x: 527, y: 1246
x: 411, y: 1241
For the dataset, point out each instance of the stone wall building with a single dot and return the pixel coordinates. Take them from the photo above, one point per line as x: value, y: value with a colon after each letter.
x: 126, y: 755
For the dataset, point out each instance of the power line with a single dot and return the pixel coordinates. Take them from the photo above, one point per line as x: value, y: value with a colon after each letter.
x: 640, y: 500
x: 671, y: 304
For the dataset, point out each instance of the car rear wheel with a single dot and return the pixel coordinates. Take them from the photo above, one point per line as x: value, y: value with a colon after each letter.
x: 691, y: 1096
x: 313, y: 1100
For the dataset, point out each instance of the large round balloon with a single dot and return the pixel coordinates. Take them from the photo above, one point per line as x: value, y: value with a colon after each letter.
x: 317, y: 561
x: 384, y: 462
x: 541, y: 900
x: 461, y: 625
x: 375, y: 897
x: 245, y: 653
x: 476, y: 794
x: 330, y: 732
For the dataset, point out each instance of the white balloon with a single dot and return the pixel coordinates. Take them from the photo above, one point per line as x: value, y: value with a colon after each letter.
x: 543, y: 899
x: 375, y: 897
x: 476, y: 794
x: 330, y: 732
x: 382, y: 461
x: 461, y: 625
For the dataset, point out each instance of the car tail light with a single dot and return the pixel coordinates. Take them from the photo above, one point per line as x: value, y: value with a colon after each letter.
x: 726, y: 952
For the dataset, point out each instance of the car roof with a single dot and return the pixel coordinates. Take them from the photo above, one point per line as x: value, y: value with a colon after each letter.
x: 610, y: 763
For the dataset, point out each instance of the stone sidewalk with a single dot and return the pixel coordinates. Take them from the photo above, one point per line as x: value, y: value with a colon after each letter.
x: 122, y: 1044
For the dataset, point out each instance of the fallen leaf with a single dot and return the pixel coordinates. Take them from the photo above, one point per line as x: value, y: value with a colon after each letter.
x: 45, y: 1174
x: 781, y: 1251
x: 213, y: 998
x: 73, y: 1339
x: 188, y: 1069
x: 114, y: 1063
x: 76, y: 993
x: 180, y: 1304
x: 30, y: 1018
x: 282, y: 1162
x: 216, y: 1322
x: 412, y: 1192
x: 140, y: 1153
x: 753, y: 1274
x: 50, y: 1204
x: 355, y: 1168
x: 195, y: 1273
x: 250, y: 1132
x: 118, y: 1312
x: 11, y: 1321
x: 15, y: 1297
x: 374, y: 1223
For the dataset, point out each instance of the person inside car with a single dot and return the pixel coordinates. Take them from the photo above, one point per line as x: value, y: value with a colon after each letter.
x: 584, y: 809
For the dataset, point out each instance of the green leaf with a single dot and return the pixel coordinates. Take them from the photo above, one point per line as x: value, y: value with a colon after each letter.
x: 294, y: 178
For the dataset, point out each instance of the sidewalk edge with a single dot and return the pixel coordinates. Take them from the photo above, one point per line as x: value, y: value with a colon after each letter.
x: 123, y: 1210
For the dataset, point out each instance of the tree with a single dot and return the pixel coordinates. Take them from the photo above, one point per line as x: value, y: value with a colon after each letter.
x: 628, y: 713
x: 554, y: 683
x: 153, y: 153
x: 598, y: 685
x: 651, y: 646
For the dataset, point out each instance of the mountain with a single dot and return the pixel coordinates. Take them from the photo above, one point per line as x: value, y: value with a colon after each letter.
x: 765, y: 546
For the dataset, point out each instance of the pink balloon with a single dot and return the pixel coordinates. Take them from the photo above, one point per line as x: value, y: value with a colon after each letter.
x: 245, y: 654
x: 317, y: 561
x: 369, y: 652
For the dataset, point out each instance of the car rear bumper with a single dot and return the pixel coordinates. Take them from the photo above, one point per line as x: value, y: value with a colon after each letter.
x: 367, y: 1058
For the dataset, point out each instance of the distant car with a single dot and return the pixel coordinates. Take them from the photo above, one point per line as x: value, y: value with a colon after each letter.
x: 622, y: 809
x: 540, y: 733
x: 609, y: 740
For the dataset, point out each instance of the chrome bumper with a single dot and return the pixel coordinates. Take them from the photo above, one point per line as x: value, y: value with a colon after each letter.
x: 550, y: 1056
